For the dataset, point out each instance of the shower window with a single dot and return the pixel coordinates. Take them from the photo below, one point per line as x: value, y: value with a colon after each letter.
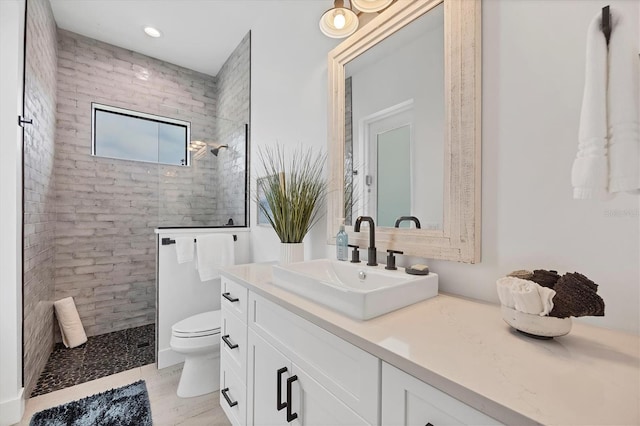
x: 131, y: 135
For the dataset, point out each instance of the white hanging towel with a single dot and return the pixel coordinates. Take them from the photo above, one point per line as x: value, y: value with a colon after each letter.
x: 71, y: 328
x: 608, y: 148
x: 185, y: 248
x: 624, y: 128
x: 214, y: 251
x: 590, y: 169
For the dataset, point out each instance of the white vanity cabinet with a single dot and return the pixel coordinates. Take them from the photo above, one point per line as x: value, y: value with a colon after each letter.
x: 278, y: 368
x: 409, y: 401
x: 233, y: 351
x: 281, y: 393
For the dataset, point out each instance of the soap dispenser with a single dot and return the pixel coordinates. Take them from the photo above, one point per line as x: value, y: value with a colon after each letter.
x: 342, y: 244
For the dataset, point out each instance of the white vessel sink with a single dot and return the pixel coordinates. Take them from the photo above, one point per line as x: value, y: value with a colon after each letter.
x: 360, y: 291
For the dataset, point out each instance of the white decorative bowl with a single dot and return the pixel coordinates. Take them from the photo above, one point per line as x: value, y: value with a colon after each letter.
x: 535, y: 325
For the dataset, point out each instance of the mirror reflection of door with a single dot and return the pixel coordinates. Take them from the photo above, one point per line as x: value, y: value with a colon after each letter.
x: 405, y: 70
x: 386, y: 147
x: 393, y: 176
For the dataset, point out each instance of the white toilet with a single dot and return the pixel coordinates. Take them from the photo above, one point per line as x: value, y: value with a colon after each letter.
x: 198, y: 339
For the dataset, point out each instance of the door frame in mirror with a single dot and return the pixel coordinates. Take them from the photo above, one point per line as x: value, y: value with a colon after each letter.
x: 459, y: 239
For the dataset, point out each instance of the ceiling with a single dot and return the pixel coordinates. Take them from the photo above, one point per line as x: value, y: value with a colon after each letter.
x: 197, y: 34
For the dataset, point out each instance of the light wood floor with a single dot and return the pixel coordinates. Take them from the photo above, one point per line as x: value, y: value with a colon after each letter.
x: 166, y: 408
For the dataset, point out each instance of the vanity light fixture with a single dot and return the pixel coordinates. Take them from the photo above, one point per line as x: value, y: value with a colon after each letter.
x: 152, y: 32
x: 339, y: 21
x: 370, y: 6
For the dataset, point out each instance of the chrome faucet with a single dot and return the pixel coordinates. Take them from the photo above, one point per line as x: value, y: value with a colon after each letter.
x: 371, y: 250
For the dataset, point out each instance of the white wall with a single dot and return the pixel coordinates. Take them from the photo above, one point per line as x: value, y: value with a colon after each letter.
x: 288, y: 101
x: 533, y: 76
x: 11, y: 57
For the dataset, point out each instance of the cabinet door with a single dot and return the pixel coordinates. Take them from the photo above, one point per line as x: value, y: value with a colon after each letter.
x: 316, y: 406
x: 307, y: 401
x: 409, y: 401
x: 264, y: 371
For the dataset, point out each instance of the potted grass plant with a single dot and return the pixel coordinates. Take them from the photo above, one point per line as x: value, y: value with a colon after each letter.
x: 291, y: 195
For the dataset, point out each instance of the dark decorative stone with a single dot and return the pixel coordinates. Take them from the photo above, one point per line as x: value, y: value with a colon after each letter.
x: 101, y: 356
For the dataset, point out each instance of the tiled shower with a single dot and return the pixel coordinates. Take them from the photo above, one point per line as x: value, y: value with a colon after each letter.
x: 89, y: 221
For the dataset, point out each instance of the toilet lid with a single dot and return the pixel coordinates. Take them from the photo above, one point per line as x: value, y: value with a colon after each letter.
x: 202, y: 324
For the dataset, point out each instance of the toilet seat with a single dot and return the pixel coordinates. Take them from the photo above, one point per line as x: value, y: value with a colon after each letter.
x: 200, y: 325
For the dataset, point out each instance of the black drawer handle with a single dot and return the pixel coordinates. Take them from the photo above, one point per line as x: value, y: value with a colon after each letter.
x: 229, y: 342
x: 279, y: 404
x: 229, y: 401
x: 428, y: 424
x: 290, y: 416
x: 229, y: 297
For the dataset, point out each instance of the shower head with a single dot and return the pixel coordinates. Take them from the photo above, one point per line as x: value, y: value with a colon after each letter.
x: 217, y: 149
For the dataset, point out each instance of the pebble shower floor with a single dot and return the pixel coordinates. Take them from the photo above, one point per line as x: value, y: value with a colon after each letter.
x: 101, y: 356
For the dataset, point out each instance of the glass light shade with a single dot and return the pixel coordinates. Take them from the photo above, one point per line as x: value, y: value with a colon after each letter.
x: 370, y: 6
x: 338, y: 22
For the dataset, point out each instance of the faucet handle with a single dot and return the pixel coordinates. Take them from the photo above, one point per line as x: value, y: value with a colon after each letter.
x: 391, y: 259
x: 355, y: 254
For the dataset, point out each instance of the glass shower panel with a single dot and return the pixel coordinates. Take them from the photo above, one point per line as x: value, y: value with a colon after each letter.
x: 212, y: 191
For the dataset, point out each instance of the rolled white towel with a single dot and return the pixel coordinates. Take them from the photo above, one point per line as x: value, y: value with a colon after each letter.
x: 503, y: 286
x: 525, y: 296
x: 546, y: 297
x: 70, y: 325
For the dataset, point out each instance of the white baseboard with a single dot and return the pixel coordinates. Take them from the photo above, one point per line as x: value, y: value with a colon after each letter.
x: 11, y: 411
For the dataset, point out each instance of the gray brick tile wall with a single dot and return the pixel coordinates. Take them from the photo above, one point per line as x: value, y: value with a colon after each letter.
x: 233, y: 93
x: 89, y: 221
x: 39, y: 196
x: 108, y: 208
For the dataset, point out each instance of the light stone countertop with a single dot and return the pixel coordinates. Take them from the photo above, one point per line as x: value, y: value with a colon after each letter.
x: 463, y: 347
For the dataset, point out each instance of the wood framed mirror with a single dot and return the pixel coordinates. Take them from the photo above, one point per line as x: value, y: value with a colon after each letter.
x: 440, y: 162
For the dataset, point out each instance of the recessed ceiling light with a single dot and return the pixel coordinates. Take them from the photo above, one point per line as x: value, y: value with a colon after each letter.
x: 152, y: 32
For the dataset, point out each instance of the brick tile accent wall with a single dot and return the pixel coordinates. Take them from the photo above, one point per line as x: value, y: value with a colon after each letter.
x: 39, y: 195
x: 107, y: 208
x: 233, y: 93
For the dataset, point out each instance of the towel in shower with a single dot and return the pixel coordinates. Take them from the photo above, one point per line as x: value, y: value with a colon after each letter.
x: 213, y: 251
x: 185, y: 248
x: 608, y: 150
x: 69, y: 321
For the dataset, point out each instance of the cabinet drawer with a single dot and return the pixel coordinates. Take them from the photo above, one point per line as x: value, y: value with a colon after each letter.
x: 409, y: 401
x: 234, y: 298
x: 348, y: 372
x: 233, y: 343
x: 234, y: 389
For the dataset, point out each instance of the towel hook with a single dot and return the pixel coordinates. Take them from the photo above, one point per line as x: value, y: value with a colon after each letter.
x: 606, y: 23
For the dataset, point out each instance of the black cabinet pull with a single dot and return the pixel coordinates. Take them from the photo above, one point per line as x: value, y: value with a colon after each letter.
x: 229, y: 342
x: 290, y: 416
x: 279, y: 404
x: 428, y: 424
x: 229, y: 297
x: 229, y: 401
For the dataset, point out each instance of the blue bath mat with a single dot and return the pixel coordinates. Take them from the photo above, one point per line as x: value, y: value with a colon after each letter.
x: 125, y: 406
